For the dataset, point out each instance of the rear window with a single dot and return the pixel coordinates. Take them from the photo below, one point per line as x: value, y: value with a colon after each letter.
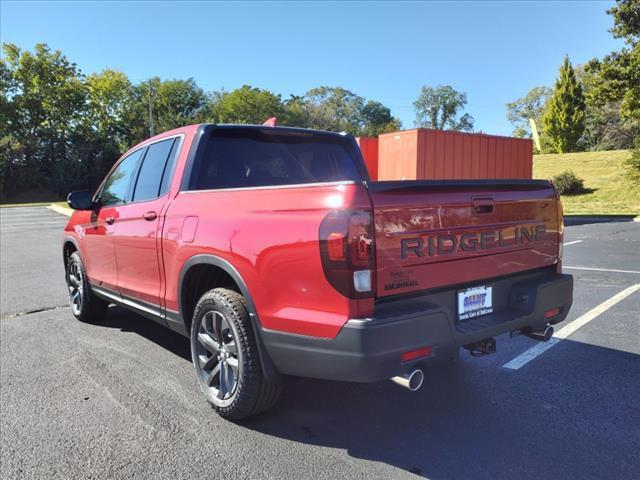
x: 242, y: 158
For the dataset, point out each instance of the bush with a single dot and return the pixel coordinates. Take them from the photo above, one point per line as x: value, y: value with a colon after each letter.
x: 568, y: 183
x: 632, y: 164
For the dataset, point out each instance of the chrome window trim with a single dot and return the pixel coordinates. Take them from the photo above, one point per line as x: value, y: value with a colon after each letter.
x: 275, y: 187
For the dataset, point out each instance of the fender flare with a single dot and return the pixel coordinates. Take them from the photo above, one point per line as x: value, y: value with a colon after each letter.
x: 268, y: 368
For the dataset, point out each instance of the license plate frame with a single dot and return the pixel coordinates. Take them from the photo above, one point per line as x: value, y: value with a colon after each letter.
x: 474, y: 302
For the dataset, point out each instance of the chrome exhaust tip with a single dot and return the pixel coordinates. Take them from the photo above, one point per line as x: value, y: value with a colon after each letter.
x: 411, y: 380
x: 543, y: 335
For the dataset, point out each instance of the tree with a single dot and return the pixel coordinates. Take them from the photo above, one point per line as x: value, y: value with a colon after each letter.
x: 617, y: 79
x: 243, y: 105
x: 531, y: 106
x: 334, y: 108
x: 111, y: 110
x: 632, y: 164
x: 377, y: 119
x: 43, y: 102
x: 174, y: 103
x: 111, y: 123
x: 617, y: 75
x: 439, y: 107
x: 626, y: 18
x: 563, y: 120
x: 605, y: 129
x: 340, y: 110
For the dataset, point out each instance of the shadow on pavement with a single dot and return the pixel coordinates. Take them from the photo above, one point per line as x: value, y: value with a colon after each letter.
x: 571, y: 419
x: 462, y: 425
x: 128, y: 321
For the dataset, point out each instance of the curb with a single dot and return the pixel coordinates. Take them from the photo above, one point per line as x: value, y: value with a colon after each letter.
x: 61, y: 210
x: 571, y: 220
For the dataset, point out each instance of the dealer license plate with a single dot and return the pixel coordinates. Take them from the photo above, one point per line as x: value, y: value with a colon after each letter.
x: 474, y: 302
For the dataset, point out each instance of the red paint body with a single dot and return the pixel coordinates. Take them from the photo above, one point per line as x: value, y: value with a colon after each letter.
x: 271, y: 237
x: 425, y: 154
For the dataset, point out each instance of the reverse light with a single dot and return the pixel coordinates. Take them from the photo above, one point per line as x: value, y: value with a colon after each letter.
x: 362, y: 280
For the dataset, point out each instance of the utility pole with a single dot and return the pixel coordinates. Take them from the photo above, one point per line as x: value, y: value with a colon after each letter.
x: 151, y: 125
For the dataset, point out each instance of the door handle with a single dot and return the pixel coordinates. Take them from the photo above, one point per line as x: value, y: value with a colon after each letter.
x: 151, y: 215
x: 109, y: 220
x: 482, y: 205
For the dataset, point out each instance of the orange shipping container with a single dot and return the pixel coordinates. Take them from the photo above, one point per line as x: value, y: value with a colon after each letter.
x: 424, y: 154
x: 369, y: 149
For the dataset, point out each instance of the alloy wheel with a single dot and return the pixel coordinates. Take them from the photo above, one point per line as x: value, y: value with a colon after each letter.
x: 217, y: 357
x: 75, y: 281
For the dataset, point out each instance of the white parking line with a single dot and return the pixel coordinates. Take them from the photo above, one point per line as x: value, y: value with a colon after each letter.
x: 571, y: 243
x: 44, y: 211
x: 602, y: 269
x: 525, y: 357
x: 35, y: 221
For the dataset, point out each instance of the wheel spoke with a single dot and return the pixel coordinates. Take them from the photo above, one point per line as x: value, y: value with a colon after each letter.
x: 209, y: 343
x: 233, y: 362
x: 231, y: 347
x: 217, y: 326
x: 212, y: 374
x: 207, y: 363
x: 233, y: 365
x: 222, y: 388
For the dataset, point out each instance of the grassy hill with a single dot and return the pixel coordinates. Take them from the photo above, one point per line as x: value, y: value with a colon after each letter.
x: 609, y: 192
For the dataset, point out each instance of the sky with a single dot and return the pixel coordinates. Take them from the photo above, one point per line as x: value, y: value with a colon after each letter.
x: 385, y: 51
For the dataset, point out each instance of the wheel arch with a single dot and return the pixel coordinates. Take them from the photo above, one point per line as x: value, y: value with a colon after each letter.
x: 69, y: 245
x: 197, y: 261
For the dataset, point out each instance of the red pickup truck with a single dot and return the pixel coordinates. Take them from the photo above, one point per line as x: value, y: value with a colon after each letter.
x: 275, y: 254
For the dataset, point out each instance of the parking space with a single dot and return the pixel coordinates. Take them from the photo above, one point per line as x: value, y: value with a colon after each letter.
x: 119, y: 399
x: 30, y: 260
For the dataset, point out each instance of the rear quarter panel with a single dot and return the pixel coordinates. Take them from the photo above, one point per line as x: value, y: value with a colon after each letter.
x: 270, y: 236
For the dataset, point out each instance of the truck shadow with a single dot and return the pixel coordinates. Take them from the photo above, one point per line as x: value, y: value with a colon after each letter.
x: 127, y: 321
x: 475, y: 421
x: 471, y: 419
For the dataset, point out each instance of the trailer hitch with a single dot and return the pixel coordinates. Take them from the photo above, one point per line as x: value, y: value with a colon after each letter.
x: 481, y: 348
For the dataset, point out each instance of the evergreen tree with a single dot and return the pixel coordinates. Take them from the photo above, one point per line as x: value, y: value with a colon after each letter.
x: 565, y: 113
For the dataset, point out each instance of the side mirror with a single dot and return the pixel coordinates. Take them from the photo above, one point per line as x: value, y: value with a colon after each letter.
x: 80, y: 200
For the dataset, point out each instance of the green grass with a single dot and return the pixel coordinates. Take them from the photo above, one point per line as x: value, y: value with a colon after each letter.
x: 608, y: 190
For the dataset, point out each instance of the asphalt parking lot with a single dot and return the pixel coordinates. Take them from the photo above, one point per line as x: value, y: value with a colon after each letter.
x: 119, y: 399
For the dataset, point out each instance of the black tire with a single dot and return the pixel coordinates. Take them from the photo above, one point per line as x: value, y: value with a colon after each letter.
x: 85, y: 306
x: 229, y: 372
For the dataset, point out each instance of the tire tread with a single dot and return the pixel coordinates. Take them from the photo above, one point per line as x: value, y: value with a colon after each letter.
x: 257, y: 394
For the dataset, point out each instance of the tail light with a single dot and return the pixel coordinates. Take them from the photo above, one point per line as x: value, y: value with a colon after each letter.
x: 347, y: 252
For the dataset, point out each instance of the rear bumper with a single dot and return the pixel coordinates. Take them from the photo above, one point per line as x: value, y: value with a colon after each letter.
x: 368, y: 350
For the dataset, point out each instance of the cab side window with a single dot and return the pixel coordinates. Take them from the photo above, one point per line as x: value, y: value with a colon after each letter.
x: 156, y: 167
x: 117, y: 185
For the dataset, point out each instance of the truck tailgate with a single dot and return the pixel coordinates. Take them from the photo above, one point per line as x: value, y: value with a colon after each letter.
x: 431, y: 234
